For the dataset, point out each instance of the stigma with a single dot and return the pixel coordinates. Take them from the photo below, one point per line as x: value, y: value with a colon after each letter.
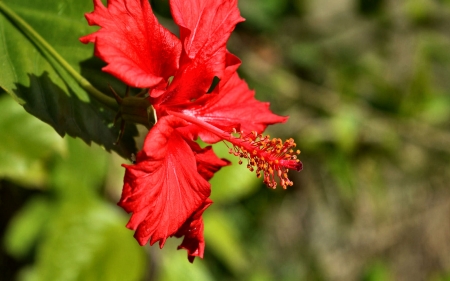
x: 269, y: 158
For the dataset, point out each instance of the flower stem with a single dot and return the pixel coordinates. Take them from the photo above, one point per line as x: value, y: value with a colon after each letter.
x: 46, y: 48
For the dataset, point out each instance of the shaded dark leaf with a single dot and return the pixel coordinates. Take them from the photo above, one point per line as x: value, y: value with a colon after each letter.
x: 67, y: 114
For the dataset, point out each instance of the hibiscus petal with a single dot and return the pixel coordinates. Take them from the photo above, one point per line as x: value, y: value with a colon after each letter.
x: 207, y: 161
x: 205, y: 26
x: 192, y: 230
x: 232, y: 106
x: 163, y: 189
x: 232, y: 63
x: 137, y: 49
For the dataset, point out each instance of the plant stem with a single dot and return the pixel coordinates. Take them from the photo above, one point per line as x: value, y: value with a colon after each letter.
x: 45, y: 47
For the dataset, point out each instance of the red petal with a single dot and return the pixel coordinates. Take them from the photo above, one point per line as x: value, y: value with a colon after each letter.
x: 231, y: 65
x: 138, y: 50
x: 207, y: 161
x: 205, y: 26
x: 233, y: 106
x: 163, y: 189
x: 192, y: 230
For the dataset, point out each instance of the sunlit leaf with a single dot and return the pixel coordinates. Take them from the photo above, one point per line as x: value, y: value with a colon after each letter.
x: 174, y: 266
x: 26, y: 144
x: 222, y: 239
x: 233, y: 182
x: 88, y: 242
x: 44, y: 87
x: 79, y: 173
x: 24, y: 230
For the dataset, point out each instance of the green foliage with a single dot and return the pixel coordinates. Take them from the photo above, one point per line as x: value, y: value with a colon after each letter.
x: 23, y: 158
x: 77, y: 236
x: 100, y: 247
x: 224, y: 242
x: 43, y: 86
x: 232, y: 182
x: 25, y: 229
x: 76, y: 178
x: 263, y: 13
x: 366, y: 85
x: 377, y: 272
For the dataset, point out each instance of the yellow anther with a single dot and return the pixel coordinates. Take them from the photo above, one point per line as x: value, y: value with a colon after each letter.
x: 269, y: 158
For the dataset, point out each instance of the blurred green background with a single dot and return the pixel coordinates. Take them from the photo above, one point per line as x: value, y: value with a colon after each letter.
x: 366, y: 84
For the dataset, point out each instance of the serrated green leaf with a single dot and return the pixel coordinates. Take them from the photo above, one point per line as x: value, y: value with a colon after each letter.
x: 45, y: 88
x: 26, y: 144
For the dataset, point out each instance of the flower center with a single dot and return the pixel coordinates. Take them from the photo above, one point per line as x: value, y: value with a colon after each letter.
x: 270, y: 158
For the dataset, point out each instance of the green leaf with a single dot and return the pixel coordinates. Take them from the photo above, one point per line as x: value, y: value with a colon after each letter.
x: 26, y: 144
x: 78, y: 174
x: 346, y: 127
x: 233, y: 182
x: 262, y: 14
x: 377, y: 271
x: 175, y: 265
x: 88, y: 243
x: 44, y: 86
x: 223, y: 240
x: 26, y: 227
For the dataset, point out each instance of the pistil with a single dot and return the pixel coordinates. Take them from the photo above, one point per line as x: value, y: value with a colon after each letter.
x: 269, y: 158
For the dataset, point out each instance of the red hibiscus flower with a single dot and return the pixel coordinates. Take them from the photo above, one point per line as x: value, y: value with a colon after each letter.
x: 167, y: 188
